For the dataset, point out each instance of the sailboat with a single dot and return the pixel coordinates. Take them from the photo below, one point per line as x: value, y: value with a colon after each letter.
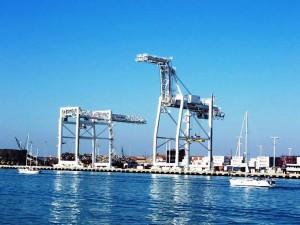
x: 248, y: 180
x: 28, y: 169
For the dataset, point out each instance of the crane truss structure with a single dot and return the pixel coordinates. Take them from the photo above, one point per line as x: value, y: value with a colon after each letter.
x: 20, y: 145
x: 189, y: 106
x: 78, y: 124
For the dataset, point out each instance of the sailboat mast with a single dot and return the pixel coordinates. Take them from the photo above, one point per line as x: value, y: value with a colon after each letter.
x: 246, y: 138
x: 36, y: 159
x: 27, y: 149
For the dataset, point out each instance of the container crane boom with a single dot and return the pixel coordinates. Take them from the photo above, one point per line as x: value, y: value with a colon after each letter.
x: 19, y: 144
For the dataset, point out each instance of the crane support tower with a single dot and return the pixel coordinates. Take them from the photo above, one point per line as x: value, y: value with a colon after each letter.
x: 188, y: 106
x: 78, y: 124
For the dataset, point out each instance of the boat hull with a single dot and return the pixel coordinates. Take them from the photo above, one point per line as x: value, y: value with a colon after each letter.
x: 252, y: 182
x: 29, y: 170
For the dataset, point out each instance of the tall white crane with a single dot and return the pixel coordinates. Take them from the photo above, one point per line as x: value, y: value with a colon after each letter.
x: 86, y: 123
x: 194, y: 107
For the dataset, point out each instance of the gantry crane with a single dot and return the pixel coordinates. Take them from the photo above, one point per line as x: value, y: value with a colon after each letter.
x: 171, y: 96
x: 85, y: 128
x: 19, y: 143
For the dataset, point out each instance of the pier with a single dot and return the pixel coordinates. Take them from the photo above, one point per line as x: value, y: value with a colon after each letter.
x: 156, y: 171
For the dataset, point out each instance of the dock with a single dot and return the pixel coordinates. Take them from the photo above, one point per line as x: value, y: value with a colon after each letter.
x: 157, y: 171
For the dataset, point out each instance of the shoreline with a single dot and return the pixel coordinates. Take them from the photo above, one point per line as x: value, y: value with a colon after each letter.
x: 199, y: 173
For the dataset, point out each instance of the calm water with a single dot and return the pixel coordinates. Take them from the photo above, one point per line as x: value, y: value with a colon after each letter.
x: 57, y: 197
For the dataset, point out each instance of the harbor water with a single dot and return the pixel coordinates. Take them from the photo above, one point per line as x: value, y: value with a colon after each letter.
x: 66, y: 197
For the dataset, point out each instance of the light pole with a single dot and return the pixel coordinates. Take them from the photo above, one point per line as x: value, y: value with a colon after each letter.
x: 260, y: 149
x: 274, y: 148
x: 45, y: 153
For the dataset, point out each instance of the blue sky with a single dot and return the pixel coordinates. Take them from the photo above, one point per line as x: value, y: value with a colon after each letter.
x: 81, y: 53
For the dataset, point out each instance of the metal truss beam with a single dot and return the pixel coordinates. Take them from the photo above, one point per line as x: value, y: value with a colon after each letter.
x: 86, y: 123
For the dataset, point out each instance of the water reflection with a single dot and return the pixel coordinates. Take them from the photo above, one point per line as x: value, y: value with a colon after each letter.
x: 177, y: 199
x: 66, y: 209
x: 169, y: 199
x: 80, y: 197
x: 106, y: 196
x: 101, y: 198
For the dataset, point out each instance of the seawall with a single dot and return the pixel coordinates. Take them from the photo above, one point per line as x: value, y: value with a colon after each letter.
x: 179, y: 172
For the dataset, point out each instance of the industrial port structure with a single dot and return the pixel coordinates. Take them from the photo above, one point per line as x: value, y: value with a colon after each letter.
x: 77, y: 124
x: 97, y: 126
x: 174, y: 94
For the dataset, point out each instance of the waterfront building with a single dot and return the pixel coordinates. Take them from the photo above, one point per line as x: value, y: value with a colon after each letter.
x: 219, y: 162
x: 259, y: 164
x: 293, y: 167
x: 199, y: 163
x: 13, y: 156
x: 139, y: 159
x: 236, y: 164
x: 284, y: 160
x: 171, y: 155
x: 161, y: 158
x: 262, y: 163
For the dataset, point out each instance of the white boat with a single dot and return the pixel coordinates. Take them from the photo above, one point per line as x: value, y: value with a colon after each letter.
x: 29, y: 170
x: 250, y: 181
